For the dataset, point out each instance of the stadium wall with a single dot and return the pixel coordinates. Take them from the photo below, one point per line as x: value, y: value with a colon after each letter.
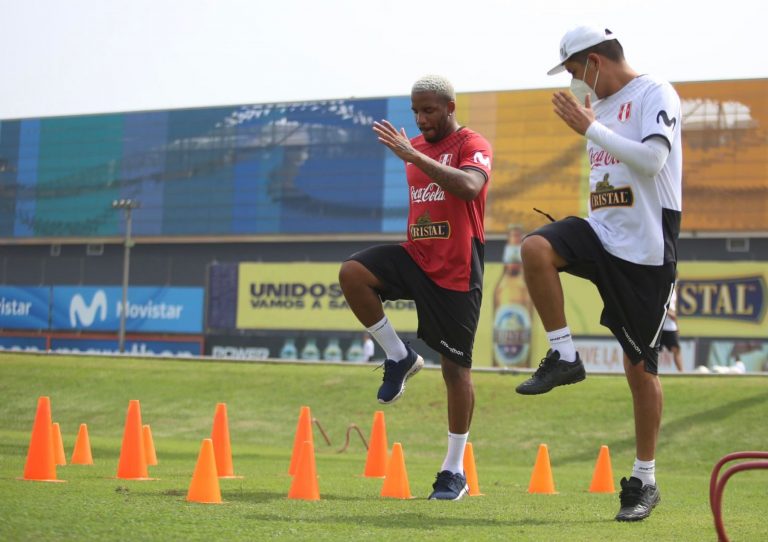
x: 308, y: 182
x: 316, y: 167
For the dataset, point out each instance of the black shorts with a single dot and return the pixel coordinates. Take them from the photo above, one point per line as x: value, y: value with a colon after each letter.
x: 447, y: 318
x: 635, y: 297
x: 670, y: 339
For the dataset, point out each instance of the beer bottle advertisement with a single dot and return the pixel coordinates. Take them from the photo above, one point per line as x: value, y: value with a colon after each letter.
x: 512, y: 308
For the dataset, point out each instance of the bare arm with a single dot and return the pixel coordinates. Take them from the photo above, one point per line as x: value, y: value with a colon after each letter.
x: 465, y: 184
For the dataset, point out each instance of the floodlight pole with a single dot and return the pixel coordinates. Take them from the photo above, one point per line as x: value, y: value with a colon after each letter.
x: 127, y: 205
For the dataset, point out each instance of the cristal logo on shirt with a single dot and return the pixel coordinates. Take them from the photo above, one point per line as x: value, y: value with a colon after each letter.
x: 426, y: 229
x: 605, y: 195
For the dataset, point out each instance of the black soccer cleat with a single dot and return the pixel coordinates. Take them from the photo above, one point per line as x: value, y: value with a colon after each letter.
x: 449, y: 486
x: 553, y: 372
x: 395, y: 375
x: 637, y: 500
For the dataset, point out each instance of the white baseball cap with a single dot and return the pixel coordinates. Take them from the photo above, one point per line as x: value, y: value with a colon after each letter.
x: 577, y: 39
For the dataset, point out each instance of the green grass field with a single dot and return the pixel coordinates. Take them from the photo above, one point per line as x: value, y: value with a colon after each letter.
x: 704, y: 418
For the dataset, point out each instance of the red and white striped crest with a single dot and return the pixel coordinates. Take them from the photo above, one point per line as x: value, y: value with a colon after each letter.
x: 445, y: 159
x: 625, y: 110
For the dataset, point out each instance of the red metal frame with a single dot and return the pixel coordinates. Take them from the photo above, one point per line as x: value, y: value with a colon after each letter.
x: 717, y: 486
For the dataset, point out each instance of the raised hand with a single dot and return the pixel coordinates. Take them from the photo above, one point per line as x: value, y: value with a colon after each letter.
x: 575, y: 115
x: 397, y: 142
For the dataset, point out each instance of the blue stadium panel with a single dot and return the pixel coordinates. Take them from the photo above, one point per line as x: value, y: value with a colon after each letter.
x: 395, y: 196
x: 9, y: 160
x: 331, y: 176
x: 78, y: 172
x: 142, y: 175
x: 198, y: 186
x: 311, y: 167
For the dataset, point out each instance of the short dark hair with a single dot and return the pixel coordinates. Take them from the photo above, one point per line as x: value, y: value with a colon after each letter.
x: 610, y: 49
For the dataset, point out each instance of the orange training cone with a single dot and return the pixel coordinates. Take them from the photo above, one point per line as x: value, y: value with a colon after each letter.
x: 58, y: 445
x: 541, y: 478
x: 471, y: 471
x: 376, y: 461
x: 81, y: 455
x: 602, y: 479
x: 133, y: 460
x: 204, y: 487
x: 303, y: 433
x: 396, y: 483
x: 304, y: 485
x: 41, y: 460
x: 221, y: 443
x: 149, y: 446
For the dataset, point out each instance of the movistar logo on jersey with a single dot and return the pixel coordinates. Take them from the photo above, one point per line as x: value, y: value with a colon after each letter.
x: 724, y: 298
x: 662, y: 116
x: 605, y: 195
x: 86, y: 314
x: 480, y: 158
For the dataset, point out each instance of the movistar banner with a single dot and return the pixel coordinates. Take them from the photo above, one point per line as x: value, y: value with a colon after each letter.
x: 149, y: 309
x: 24, y: 307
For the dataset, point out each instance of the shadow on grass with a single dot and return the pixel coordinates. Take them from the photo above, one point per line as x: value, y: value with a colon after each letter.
x: 432, y: 519
x: 670, y: 428
x: 250, y: 497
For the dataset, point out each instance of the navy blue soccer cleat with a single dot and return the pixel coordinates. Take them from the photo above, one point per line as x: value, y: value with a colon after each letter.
x: 449, y: 486
x: 395, y: 375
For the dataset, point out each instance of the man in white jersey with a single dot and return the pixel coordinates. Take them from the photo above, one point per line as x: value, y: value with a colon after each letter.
x: 627, y: 246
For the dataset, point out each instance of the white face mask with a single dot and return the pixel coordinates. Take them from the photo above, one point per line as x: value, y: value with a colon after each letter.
x: 580, y: 89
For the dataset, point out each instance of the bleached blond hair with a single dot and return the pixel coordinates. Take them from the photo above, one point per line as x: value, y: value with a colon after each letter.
x: 437, y: 84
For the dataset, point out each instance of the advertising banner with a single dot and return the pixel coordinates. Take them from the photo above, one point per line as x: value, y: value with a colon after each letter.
x: 303, y: 295
x: 715, y: 299
x: 190, y: 346
x: 724, y: 302
x: 149, y: 309
x: 24, y: 307
x: 304, y: 345
x: 721, y: 306
x: 16, y: 343
x: 606, y: 356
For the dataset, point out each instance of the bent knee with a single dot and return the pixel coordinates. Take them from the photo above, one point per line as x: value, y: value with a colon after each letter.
x: 536, y: 248
x: 353, y: 272
x: 348, y: 272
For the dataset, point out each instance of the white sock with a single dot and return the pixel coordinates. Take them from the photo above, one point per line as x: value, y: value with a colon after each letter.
x: 561, y: 340
x: 384, y: 334
x: 454, y: 459
x: 645, y: 471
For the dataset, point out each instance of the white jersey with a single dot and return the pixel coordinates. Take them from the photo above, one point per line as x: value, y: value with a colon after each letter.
x: 636, y: 216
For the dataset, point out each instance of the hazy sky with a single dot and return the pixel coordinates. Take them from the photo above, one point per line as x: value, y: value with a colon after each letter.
x: 93, y: 56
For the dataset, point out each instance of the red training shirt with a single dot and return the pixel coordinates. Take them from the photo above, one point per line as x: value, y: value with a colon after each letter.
x: 446, y: 235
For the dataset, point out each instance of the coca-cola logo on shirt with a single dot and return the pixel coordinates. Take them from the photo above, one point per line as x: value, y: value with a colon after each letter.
x: 601, y: 157
x: 431, y: 192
